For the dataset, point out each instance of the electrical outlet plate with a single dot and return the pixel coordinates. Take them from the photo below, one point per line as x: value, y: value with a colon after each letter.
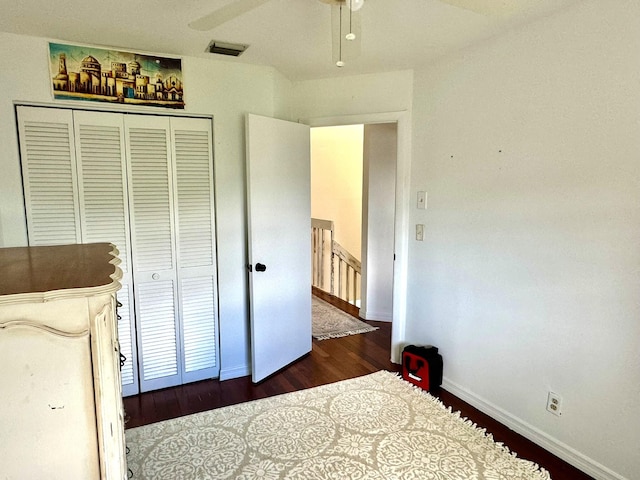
x: 554, y: 403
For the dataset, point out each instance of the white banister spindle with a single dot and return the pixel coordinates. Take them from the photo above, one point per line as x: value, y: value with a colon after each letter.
x: 349, y: 268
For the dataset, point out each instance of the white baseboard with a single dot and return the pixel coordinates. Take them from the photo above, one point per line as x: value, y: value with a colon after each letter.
x: 376, y: 316
x: 234, y: 372
x: 559, y: 449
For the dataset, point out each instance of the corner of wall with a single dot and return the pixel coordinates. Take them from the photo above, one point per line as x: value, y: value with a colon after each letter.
x: 234, y: 372
x: 282, y: 97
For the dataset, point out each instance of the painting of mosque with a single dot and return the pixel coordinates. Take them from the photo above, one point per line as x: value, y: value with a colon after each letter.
x: 94, y: 74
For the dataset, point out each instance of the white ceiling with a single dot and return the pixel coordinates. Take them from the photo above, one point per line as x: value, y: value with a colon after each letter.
x: 294, y: 36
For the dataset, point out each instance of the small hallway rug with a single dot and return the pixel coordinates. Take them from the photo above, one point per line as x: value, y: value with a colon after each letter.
x: 373, y: 427
x: 328, y: 321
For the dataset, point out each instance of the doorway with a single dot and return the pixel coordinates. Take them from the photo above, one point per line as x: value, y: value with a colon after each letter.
x: 336, y: 197
x: 256, y: 145
x: 402, y: 119
x: 353, y: 186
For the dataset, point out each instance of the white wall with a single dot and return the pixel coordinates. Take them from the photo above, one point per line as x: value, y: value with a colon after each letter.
x: 527, y: 281
x: 352, y: 95
x: 226, y: 90
x: 378, y: 215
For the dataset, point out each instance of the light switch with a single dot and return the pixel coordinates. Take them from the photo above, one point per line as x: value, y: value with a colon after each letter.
x: 419, y: 232
x: 422, y: 200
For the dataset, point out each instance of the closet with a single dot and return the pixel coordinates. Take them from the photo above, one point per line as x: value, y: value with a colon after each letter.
x: 144, y: 183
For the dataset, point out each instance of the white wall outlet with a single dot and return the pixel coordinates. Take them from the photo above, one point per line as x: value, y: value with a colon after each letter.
x: 419, y: 232
x: 422, y: 200
x: 554, y: 403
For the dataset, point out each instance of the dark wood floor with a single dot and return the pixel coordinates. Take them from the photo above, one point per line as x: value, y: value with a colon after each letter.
x: 329, y: 361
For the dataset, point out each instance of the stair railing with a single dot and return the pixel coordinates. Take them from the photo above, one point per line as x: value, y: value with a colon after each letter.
x: 349, y: 269
x: 321, y: 246
x: 327, y: 254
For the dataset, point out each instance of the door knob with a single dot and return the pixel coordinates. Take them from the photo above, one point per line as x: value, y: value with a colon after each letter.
x: 260, y: 267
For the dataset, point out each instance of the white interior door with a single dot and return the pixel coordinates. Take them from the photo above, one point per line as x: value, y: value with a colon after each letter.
x: 279, y: 219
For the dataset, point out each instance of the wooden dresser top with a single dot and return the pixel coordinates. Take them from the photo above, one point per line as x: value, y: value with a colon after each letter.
x: 25, y: 270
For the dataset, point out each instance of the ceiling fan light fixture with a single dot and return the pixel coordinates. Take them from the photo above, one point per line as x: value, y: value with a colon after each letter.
x: 355, y: 5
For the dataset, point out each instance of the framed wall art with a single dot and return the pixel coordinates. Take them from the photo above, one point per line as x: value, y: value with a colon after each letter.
x: 95, y: 74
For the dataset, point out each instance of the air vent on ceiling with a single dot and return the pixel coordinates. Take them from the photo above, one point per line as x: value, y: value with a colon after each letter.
x: 226, y: 48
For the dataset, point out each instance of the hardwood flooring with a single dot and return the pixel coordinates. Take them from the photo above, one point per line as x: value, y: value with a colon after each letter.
x: 329, y: 361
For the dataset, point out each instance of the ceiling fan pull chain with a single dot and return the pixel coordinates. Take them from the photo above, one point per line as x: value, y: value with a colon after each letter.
x: 350, y: 35
x: 340, y: 63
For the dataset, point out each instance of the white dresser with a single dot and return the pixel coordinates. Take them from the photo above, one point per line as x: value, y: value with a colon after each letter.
x: 61, y: 414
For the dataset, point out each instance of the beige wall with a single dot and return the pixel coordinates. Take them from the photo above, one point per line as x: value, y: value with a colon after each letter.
x: 336, y: 182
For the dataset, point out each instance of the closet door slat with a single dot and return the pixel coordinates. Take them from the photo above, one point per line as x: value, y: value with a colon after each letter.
x: 152, y: 233
x: 157, y: 329
x: 195, y: 227
x: 193, y: 172
x: 102, y: 186
x: 198, y: 324
x: 151, y: 198
x: 47, y: 152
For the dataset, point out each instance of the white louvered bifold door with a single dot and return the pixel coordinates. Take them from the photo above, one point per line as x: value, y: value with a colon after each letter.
x: 47, y: 154
x: 195, y: 226
x: 145, y: 184
x: 102, y: 187
x: 154, y: 264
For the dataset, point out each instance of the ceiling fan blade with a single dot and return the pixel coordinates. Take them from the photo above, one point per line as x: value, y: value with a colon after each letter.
x: 224, y: 14
x: 342, y: 48
x: 484, y: 7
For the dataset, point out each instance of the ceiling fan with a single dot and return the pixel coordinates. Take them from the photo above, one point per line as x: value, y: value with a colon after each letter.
x: 345, y: 19
x: 239, y: 7
x: 345, y: 23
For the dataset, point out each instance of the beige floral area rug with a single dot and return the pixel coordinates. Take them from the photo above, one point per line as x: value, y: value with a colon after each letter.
x: 372, y: 427
x: 328, y: 321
